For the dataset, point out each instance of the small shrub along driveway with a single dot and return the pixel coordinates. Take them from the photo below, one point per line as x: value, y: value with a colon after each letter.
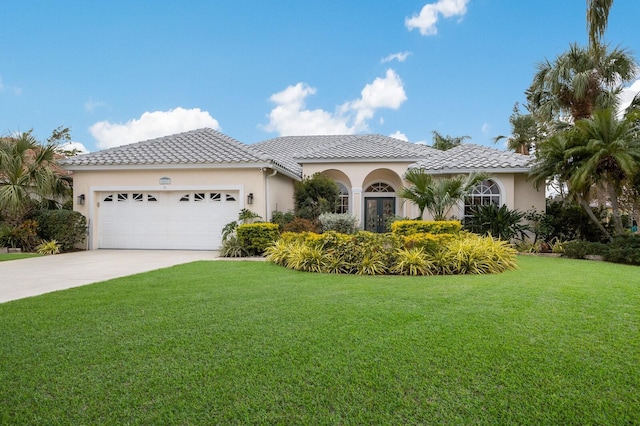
x: 554, y: 342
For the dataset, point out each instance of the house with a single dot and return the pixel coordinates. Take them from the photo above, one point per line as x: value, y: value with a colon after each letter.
x: 178, y: 191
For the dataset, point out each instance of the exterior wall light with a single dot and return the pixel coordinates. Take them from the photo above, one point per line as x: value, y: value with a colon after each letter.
x: 81, y: 200
x: 250, y: 198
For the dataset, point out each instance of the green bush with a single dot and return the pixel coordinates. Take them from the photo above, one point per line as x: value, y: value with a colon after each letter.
x: 499, y: 222
x: 624, y: 249
x: 339, y: 222
x: 409, y: 227
x: 315, y: 195
x: 256, y: 237
x: 579, y: 249
x: 367, y: 253
x: 24, y: 236
x: 282, y: 218
x: 67, y: 227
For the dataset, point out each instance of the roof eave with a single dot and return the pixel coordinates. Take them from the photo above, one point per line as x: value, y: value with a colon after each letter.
x: 476, y: 170
x: 358, y: 160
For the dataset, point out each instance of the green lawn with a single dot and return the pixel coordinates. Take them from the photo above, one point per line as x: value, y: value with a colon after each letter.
x: 15, y: 256
x: 556, y: 342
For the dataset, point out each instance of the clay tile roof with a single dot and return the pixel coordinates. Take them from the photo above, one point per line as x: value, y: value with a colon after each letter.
x: 202, y: 146
x: 474, y: 157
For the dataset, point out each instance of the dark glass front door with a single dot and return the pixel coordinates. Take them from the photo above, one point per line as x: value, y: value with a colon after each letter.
x: 377, y: 209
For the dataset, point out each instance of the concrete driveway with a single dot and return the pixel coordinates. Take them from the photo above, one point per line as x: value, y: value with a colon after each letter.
x: 31, y: 277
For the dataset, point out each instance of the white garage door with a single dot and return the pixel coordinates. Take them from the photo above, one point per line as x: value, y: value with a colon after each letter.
x: 191, y: 220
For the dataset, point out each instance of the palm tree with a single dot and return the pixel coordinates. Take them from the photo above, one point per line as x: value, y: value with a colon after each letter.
x: 606, y: 153
x: 444, y: 143
x: 29, y: 174
x: 580, y: 81
x: 597, y: 19
x: 600, y: 152
x: 525, y: 132
x: 438, y: 196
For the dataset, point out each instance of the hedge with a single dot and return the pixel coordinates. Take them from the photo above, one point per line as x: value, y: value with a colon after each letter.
x: 256, y: 237
x: 410, y: 227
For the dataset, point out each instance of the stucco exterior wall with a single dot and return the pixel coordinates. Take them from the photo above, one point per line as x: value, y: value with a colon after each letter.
x: 527, y: 197
x: 280, y: 192
x: 89, y: 183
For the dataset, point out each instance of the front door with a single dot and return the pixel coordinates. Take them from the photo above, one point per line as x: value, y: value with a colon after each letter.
x: 377, y: 209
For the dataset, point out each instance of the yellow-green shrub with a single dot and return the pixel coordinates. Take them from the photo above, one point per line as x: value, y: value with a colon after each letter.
x: 366, y: 253
x: 256, y: 237
x: 428, y: 242
x: 473, y: 254
x: 410, y: 227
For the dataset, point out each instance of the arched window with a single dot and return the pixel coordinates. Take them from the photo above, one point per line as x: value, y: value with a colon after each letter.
x: 380, y: 187
x: 343, y: 203
x: 485, y: 193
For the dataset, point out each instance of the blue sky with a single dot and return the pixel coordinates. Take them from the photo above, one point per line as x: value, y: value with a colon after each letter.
x: 123, y: 71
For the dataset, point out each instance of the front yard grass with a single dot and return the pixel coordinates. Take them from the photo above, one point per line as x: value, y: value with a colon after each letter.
x: 15, y: 256
x: 555, y: 342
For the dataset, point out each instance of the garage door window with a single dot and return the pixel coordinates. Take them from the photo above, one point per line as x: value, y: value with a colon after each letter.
x: 136, y: 197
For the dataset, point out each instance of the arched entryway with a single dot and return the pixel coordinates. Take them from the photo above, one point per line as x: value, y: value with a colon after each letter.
x: 379, y: 199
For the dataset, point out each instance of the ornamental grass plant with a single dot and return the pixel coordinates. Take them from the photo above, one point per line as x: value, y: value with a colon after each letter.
x: 366, y: 253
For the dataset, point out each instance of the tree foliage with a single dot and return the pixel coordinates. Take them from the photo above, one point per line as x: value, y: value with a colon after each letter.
x: 30, y: 176
x: 444, y: 143
x: 315, y: 195
x: 439, y: 195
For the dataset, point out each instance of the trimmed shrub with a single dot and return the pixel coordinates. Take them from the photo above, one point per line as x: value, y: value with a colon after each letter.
x: 624, y: 249
x: 67, y: 227
x: 579, y: 249
x: 301, y: 225
x: 338, y: 222
x: 426, y: 241
x: 410, y: 227
x: 256, y: 237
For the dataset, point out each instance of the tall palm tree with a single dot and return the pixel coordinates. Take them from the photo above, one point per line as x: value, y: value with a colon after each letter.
x: 438, y: 196
x: 597, y: 20
x: 525, y: 132
x: 580, y: 81
x: 29, y: 174
x: 606, y: 153
x: 444, y: 143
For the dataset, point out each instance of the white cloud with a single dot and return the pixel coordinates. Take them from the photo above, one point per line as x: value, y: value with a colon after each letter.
x: 151, y: 125
x: 290, y: 116
x: 78, y: 147
x: 428, y: 17
x: 92, y: 104
x: 399, y: 135
x: 387, y: 92
x: 627, y: 95
x: 485, y: 128
x: 400, y: 57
